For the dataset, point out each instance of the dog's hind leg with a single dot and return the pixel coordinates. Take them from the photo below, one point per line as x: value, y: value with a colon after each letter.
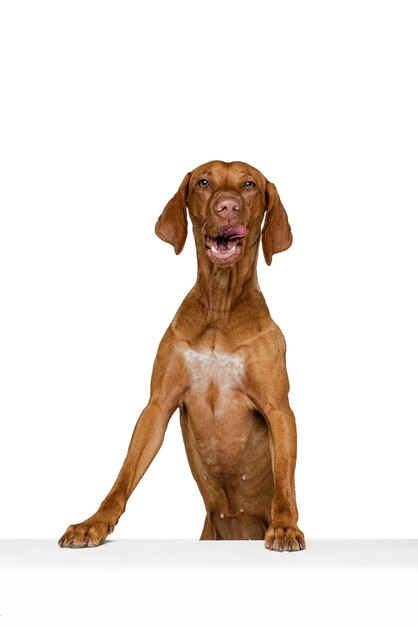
x: 208, y: 531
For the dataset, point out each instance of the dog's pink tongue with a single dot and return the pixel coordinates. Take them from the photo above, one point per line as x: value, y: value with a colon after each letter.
x: 228, y: 232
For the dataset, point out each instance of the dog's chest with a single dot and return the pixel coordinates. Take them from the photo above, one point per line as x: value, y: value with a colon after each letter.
x: 212, y: 367
x: 217, y: 419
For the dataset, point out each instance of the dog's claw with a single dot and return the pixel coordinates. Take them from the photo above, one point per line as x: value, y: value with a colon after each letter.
x: 282, y: 539
x: 88, y: 534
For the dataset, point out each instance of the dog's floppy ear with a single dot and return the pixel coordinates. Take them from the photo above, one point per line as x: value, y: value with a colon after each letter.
x: 171, y: 226
x: 276, y: 235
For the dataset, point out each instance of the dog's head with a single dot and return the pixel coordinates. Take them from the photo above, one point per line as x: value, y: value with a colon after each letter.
x: 227, y: 203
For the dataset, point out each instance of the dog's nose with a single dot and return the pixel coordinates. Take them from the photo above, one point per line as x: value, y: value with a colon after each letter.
x: 227, y: 206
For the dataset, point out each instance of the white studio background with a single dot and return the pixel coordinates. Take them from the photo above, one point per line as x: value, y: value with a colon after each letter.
x: 104, y: 107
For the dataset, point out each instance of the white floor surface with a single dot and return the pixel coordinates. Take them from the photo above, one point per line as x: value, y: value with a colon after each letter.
x: 184, y: 581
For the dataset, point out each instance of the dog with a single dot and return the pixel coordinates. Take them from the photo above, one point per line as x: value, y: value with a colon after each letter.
x: 222, y: 362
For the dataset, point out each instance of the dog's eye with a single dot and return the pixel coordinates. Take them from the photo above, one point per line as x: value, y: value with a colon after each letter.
x: 249, y: 184
x: 203, y: 182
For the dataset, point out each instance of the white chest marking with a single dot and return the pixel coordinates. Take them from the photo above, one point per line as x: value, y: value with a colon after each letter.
x: 225, y: 370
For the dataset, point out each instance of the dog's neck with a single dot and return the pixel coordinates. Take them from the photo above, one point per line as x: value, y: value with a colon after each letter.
x: 221, y: 289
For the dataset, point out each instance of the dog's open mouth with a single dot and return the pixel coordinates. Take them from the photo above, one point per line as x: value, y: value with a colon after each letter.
x: 225, y: 247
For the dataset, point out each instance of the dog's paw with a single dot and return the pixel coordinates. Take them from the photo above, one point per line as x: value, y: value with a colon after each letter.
x: 88, y: 534
x: 283, y: 539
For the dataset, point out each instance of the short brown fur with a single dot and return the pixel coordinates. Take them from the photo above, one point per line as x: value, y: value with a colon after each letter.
x: 222, y: 363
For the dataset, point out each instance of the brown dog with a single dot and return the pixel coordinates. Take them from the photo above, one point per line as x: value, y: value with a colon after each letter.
x: 222, y: 362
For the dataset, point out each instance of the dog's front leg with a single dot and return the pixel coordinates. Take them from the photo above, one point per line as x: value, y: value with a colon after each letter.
x: 268, y: 388
x: 166, y: 385
x: 283, y: 532
x: 146, y: 440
